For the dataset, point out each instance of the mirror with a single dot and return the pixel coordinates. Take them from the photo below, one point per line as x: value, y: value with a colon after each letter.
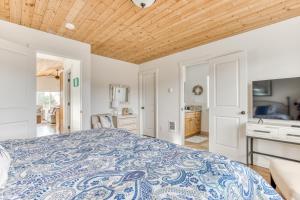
x: 119, y: 94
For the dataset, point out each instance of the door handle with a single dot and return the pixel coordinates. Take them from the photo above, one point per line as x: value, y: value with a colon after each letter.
x: 243, y: 112
x: 143, y: 108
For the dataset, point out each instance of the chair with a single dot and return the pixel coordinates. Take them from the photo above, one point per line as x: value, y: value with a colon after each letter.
x: 286, y: 176
x: 51, y: 116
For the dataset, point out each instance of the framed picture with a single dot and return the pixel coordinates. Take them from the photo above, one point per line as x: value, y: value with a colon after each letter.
x: 262, y: 88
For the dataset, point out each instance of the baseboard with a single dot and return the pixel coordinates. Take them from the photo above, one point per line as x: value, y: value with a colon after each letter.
x: 204, y: 133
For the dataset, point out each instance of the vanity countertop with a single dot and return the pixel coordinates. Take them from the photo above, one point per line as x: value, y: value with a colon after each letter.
x: 191, y: 111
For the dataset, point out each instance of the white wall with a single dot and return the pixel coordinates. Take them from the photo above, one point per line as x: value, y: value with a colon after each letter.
x: 197, y: 75
x: 47, y: 84
x: 273, y: 52
x: 58, y: 46
x: 106, y: 71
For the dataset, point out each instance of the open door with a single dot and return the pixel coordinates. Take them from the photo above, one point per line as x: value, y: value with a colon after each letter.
x: 228, y: 106
x: 17, y: 89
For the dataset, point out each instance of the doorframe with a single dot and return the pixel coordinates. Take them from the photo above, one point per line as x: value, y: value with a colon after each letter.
x: 155, y: 71
x: 50, y: 53
x: 182, y: 79
x: 67, y: 104
x: 182, y: 76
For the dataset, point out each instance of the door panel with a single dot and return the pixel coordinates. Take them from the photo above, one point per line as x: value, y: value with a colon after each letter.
x: 227, y: 82
x: 227, y: 131
x: 17, y: 89
x: 149, y: 92
x: 228, y: 98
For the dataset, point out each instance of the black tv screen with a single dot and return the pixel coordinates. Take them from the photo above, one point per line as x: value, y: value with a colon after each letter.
x: 276, y: 99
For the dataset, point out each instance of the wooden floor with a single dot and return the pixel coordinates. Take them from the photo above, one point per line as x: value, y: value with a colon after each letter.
x: 264, y: 172
x: 199, y: 146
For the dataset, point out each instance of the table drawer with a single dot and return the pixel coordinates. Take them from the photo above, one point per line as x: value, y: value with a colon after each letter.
x: 126, y: 121
x: 129, y: 127
x: 261, y: 129
x: 289, y: 132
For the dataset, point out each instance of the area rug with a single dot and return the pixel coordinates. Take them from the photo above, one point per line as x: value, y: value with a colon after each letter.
x: 197, y: 139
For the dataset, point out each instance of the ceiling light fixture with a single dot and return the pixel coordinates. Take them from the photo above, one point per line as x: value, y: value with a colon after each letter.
x: 143, y: 3
x: 70, y: 26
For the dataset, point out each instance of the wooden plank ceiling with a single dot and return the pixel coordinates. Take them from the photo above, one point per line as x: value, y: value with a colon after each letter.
x: 47, y: 67
x: 120, y: 30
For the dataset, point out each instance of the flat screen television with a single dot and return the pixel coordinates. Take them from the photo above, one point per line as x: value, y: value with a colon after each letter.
x: 277, y: 99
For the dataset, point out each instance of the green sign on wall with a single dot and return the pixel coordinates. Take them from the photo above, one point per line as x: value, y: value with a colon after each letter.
x: 76, y: 82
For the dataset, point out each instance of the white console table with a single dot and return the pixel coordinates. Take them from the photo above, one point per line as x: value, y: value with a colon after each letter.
x: 270, y: 132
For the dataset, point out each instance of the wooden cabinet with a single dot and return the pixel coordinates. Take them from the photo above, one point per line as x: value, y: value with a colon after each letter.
x: 192, y: 123
x: 128, y: 122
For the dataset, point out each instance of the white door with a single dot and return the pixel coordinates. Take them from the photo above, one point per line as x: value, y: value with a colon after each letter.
x: 75, y: 94
x: 149, y: 103
x: 17, y: 90
x: 228, y: 106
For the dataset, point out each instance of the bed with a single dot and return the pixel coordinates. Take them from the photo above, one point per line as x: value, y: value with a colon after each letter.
x: 116, y: 164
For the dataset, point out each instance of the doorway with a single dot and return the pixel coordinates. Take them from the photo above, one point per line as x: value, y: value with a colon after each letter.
x: 58, y: 102
x: 226, y: 103
x: 196, y: 106
x: 148, y: 103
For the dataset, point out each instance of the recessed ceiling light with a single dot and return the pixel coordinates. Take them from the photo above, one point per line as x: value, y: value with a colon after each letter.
x: 70, y: 26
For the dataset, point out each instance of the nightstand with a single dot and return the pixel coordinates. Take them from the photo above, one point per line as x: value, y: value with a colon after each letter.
x: 128, y: 122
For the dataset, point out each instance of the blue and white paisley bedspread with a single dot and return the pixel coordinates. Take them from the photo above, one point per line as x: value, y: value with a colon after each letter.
x: 115, y: 164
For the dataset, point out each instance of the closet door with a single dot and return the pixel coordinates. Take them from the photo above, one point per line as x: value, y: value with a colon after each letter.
x: 149, y: 103
x: 18, y: 91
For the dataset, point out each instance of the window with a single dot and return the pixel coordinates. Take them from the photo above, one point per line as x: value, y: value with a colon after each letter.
x: 48, y: 100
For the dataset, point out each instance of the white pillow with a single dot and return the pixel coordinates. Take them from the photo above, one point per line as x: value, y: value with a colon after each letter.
x: 5, y: 161
x: 98, y: 125
x: 106, y: 121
